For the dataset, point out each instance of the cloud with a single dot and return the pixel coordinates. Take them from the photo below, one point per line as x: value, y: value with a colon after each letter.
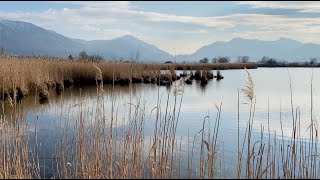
x: 103, y: 20
x: 90, y: 28
x: 91, y: 15
x: 274, y: 21
x: 196, y: 31
x: 271, y: 35
x: 107, y: 13
x: 103, y: 4
x: 111, y: 33
x: 301, y: 6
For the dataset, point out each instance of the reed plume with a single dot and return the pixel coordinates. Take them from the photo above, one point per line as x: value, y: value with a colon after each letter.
x: 249, y: 90
x: 99, y: 79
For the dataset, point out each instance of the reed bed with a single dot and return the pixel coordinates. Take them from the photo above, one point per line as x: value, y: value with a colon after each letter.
x: 93, y: 147
x: 20, y: 76
x: 29, y: 74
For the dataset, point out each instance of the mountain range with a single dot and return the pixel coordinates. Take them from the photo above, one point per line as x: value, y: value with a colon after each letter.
x: 22, y: 38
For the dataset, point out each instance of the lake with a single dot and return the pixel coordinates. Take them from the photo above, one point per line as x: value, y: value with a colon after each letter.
x: 271, y: 85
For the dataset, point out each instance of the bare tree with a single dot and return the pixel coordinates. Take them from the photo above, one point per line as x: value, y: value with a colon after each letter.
x: 95, y: 58
x: 134, y: 56
x: 2, y: 51
x: 214, y: 60
x: 243, y: 59
x: 313, y: 61
x: 222, y: 59
x: 204, y: 60
x: 137, y: 55
x: 83, y: 55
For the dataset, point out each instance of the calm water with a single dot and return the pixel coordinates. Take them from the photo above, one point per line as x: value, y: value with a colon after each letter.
x: 197, y: 102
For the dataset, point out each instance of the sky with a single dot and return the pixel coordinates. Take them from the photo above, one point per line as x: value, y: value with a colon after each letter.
x: 176, y: 27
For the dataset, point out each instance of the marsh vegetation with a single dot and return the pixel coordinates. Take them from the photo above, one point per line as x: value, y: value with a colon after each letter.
x: 91, y: 140
x: 20, y: 76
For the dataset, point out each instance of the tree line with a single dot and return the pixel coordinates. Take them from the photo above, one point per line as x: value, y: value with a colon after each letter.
x: 265, y: 60
x: 225, y: 59
x: 274, y: 62
x: 83, y: 56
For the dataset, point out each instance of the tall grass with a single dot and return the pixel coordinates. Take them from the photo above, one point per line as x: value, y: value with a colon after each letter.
x: 20, y: 76
x: 94, y: 147
x: 292, y: 158
x: 29, y: 74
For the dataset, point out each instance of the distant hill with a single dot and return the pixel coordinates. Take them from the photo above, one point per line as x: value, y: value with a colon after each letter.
x: 22, y: 38
x: 127, y: 47
x: 282, y: 48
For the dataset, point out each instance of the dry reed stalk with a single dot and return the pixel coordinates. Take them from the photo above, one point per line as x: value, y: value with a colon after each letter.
x: 99, y: 152
x: 249, y: 91
x: 30, y: 72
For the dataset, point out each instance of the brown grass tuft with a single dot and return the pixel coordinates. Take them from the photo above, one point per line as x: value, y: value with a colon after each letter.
x: 249, y: 91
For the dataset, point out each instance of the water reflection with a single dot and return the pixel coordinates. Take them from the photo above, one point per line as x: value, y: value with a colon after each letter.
x: 202, y: 87
x: 198, y: 101
x: 71, y: 95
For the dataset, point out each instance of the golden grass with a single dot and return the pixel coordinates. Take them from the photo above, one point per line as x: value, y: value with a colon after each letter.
x: 22, y: 75
x: 249, y: 90
x: 27, y: 75
x: 95, y: 150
